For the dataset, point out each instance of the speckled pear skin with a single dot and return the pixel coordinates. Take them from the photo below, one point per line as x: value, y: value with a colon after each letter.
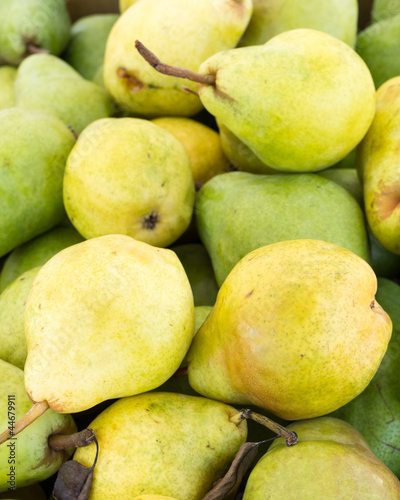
x: 129, y: 176
x: 47, y: 83
x: 181, y: 33
x: 310, y: 102
x: 295, y: 330
x: 106, y: 318
x: 35, y: 461
x: 231, y: 224
x: 7, y: 79
x: 34, y: 147
x: 13, y: 347
x: 46, y: 23
x: 162, y: 443
x: 378, y: 167
x: 271, y: 17
x: 331, y: 460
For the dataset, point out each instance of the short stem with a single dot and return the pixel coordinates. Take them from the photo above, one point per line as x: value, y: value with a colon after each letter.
x: 59, y: 442
x: 165, y: 69
x: 181, y: 372
x: 290, y: 437
x: 31, y: 48
x: 34, y: 413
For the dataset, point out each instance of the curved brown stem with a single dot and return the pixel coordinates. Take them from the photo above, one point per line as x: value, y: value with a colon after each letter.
x: 290, y: 437
x: 59, y: 442
x: 181, y: 372
x: 165, y: 69
x: 34, y: 413
x: 31, y: 48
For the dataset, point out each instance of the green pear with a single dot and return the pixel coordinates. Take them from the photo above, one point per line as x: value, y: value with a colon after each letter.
x: 28, y: 458
x: 348, y: 179
x: 377, y: 162
x: 202, y: 144
x: 300, y: 102
x: 272, y: 17
x: 376, y: 411
x: 231, y: 223
x: 33, y: 151
x: 383, y: 9
x: 331, y: 461
x: 348, y: 161
x: 198, y: 267
x: 378, y: 46
x: 184, y: 33
x: 27, y: 26
x: 87, y: 43
x: 7, y: 79
x: 34, y: 492
x: 384, y: 263
x: 162, y: 443
x: 240, y: 156
x: 36, y: 252
x: 129, y: 176
x: 126, y: 305
x: 296, y: 330
x: 13, y: 299
x: 47, y: 83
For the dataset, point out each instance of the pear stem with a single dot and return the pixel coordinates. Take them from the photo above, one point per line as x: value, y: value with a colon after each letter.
x: 35, y: 412
x: 290, y: 437
x: 31, y: 48
x: 181, y: 372
x: 59, y: 442
x: 165, y: 69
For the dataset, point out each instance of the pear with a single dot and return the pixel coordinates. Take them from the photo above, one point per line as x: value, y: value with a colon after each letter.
x: 183, y: 32
x: 30, y: 455
x: 28, y: 26
x: 296, y: 330
x: 13, y: 299
x: 348, y: 161
x: 271, y: 17
x: 383, y: 9
x: 36, y: 252
x: 331, y: 461
x: 87, y: 43
x: 240, y: 156
x: 348, y: 179
x: 129, y: 176
x: 231, y: 223
x: 153, y: 497
x: 7, y: 79
x: 378, y: 45
x: 162, y: 443
x: 202, y: 145
x: 47, y: 83
x: 384, y: 263
x: 106, y: 318
x: 198, y: 267
x: 377, y: 162
x: 34, y: 147
x: 125, y: 4
x: 376, y: 411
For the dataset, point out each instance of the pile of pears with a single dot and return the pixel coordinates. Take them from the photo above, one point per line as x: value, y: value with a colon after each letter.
x: 199, y: 234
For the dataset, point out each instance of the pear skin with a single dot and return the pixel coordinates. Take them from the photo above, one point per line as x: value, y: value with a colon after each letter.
x: 383, y: 9
x: 106, y: 318
x: 271, y: 17
x: 183, y: 32
x: 296, y: 330
x: 162, y: 443
x: 307, y: 99
x: 377, y: 163
x: 8, y: 75
x: 331, y: 461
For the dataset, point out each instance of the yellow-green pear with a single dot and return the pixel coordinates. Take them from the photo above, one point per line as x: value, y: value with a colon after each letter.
x: 377, y: 158
x: 13, y: 347
x: 28, y: 458
x: 202, y: 144
x: 295, y: 330
x: 271, y: 17
x: 129, y: 176
x: 8, y: 75
x: 301, y: 102
x: 183, y: 33
x: 106, y: 318
x: 162, y: 443
x: 47, y: 83
x: 125, y: 4
x: 331, y: 461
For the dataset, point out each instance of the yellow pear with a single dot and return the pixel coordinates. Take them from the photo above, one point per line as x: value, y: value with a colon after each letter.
x: 295, y: 330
